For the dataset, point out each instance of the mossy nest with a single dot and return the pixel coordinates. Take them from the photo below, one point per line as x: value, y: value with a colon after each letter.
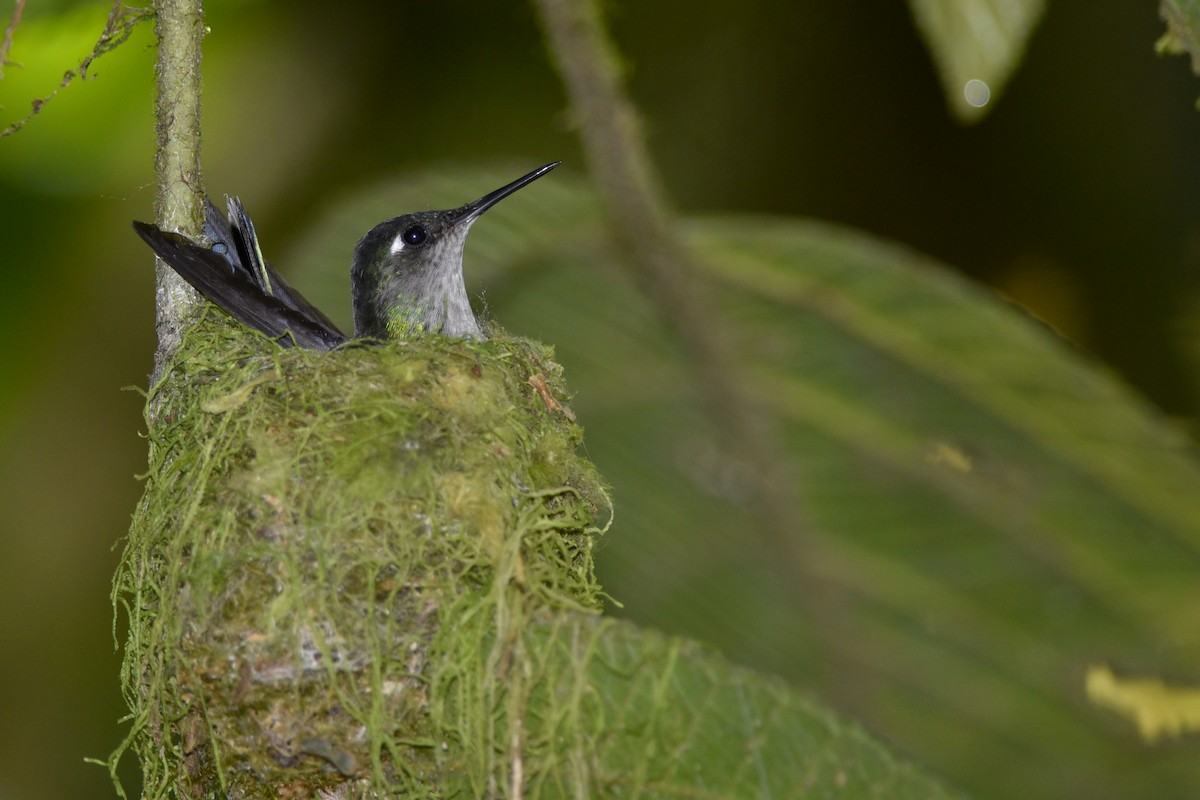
x: 328, y: 579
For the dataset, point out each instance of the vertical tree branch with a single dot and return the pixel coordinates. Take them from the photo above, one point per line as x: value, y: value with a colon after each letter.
x: 179, y: 29
x: 645, y: 229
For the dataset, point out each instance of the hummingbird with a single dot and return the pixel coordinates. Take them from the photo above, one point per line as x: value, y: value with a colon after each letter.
x: 406, y: 275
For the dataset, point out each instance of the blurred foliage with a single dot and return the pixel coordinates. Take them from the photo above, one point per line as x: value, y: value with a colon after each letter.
x: 1183, y: 30
x: 992, y: 508
x: 976, y: 44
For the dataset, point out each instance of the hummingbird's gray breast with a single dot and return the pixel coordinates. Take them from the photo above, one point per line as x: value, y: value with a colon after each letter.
x: 424, y: 291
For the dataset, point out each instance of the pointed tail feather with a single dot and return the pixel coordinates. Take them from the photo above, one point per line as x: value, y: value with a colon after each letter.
x: 241, y: 229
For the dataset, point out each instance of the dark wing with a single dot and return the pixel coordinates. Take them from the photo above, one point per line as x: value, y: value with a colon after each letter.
x: 232, y: 287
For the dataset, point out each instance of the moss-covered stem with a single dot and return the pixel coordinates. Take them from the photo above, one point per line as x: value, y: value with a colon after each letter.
x: 179, y: 29
x: 644, y: 226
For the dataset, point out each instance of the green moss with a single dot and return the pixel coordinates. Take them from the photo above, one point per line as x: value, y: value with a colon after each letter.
x: 330, y: 575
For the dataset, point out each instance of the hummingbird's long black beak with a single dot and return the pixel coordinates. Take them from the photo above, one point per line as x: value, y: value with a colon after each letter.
x: 472, y: 210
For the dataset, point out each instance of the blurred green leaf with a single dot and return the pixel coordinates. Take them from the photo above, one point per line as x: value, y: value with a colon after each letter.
x: 1183, y: 30
x: 976, y: 46
x: 993, y: 509
x: 655, y: 717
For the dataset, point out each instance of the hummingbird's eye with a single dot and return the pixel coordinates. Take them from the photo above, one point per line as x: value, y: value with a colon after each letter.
x: 414, y: 236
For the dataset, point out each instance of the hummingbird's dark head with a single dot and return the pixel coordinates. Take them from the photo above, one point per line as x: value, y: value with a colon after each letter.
x: 407, y: 275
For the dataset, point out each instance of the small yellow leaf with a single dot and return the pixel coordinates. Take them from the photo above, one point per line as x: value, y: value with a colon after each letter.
x: 1157, y: 709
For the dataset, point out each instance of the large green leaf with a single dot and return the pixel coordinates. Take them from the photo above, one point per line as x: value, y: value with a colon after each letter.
x: 986, y: 510
x: 976, y: 46
x: 650, y: 716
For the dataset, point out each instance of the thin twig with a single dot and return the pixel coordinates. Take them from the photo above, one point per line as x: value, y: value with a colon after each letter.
x: 643, y: 226
x: 6, y: 45
x: 645, y: 229
x: 120, y: 25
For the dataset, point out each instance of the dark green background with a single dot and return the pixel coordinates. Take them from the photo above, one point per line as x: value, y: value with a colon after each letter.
x: 1077, y: 196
